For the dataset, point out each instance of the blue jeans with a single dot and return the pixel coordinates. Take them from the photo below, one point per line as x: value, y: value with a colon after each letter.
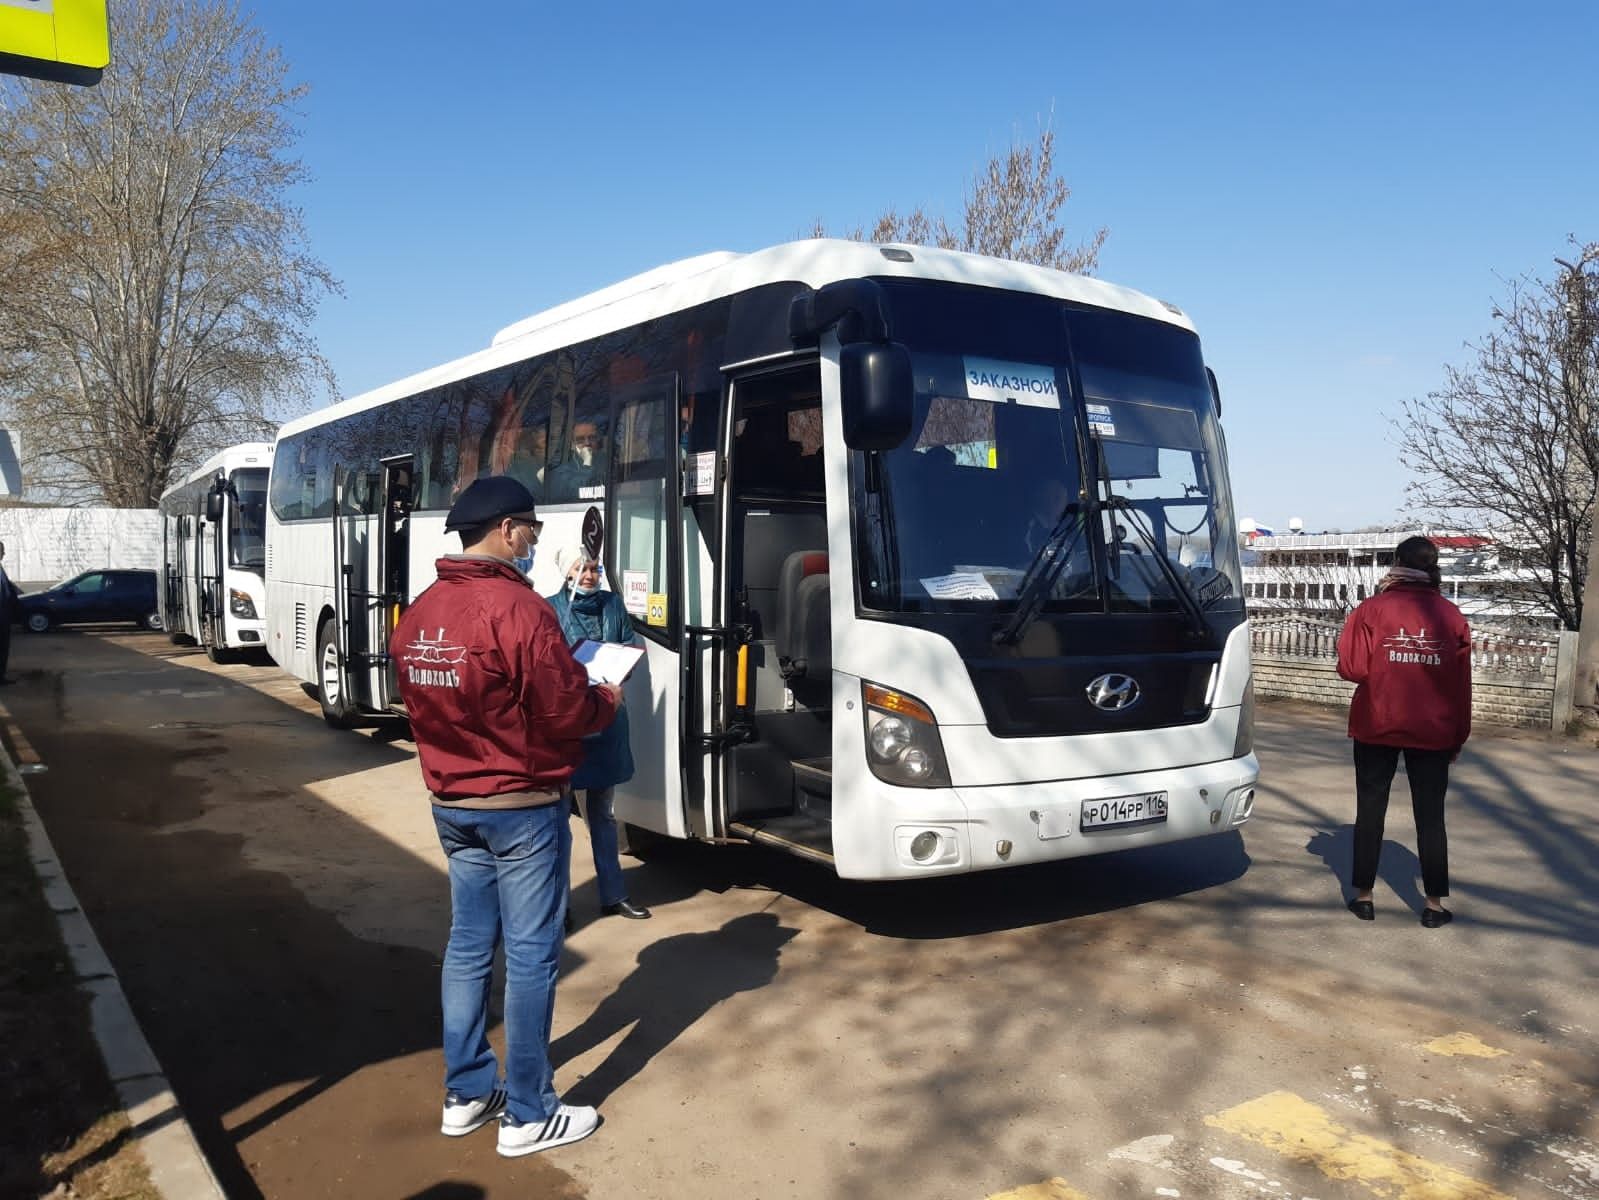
x: 600, y: 811
x: 508, y: 874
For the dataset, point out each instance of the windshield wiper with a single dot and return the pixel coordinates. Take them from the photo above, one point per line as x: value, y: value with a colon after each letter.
x: 1042, y: 573
x: 1180, y: 586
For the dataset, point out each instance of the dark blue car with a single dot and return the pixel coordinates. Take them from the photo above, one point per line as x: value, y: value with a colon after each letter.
x: 92, y: 597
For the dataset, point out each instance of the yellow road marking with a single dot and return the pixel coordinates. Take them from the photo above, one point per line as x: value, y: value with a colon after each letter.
x: 1050, y: 1189
x: 26, y: 754
x: 1297, y: 1129
x: 1463, y: 1045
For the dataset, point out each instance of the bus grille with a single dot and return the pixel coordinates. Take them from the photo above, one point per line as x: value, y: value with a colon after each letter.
x: 299, y: 627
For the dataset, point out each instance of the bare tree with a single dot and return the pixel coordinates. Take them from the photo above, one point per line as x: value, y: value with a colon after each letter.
x: 1012, y: 210
x: 155, y: 286
x: 1511, y: 442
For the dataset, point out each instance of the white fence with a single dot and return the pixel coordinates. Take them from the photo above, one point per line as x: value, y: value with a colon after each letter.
x: 46, y: 545
x: 1517, y: 678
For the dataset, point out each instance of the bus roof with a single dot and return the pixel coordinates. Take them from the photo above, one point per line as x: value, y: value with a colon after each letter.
x: 814, y: 262
x: 227, y: 460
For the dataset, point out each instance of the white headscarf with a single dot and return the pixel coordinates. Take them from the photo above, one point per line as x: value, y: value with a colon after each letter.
x: 567, y: 559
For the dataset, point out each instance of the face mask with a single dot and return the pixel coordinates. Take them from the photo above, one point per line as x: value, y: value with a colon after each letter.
x: 584, y: 455
x: 524, y: 564
x: 579, y: 590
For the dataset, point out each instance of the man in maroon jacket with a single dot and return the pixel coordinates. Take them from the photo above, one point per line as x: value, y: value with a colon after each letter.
x: 1408, y: 650
x: 498, y: 708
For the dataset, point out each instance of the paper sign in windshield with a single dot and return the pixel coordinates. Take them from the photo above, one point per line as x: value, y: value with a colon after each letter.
x: 962, y: 585
x: 1001, y: 382
x: 1100, y: 422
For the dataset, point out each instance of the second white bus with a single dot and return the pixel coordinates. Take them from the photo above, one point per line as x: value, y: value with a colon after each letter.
x: 213, y: 552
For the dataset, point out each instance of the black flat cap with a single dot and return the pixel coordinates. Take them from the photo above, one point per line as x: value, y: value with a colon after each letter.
x: 490, y: 499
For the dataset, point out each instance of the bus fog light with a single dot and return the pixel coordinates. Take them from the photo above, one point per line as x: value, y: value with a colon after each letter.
x: 924, y: 845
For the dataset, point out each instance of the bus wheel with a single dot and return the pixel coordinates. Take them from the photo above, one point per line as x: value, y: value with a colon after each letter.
x: 336, y: 708
x: 218, y: 655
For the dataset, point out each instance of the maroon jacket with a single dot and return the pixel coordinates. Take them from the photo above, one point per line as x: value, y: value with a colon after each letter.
x: 497, y: 703
x: 1409, y: 650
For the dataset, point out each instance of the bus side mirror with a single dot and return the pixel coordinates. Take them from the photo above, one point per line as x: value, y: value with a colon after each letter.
x: 213, y: 506
x: 877, y: 394
x: 1215, y: 390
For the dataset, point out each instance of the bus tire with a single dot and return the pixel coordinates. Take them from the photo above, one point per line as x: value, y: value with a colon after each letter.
x: 217, y: 654
x: 336, y: 708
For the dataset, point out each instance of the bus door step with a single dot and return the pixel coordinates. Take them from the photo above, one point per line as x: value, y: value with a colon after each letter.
x: 798, y: 834
x: 813, y: 788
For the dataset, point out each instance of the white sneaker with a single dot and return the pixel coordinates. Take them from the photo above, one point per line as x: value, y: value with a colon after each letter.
x: 461, y: 1117
x: 568, y: 1124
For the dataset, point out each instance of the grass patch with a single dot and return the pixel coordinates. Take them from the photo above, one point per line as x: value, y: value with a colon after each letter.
x: 64, y: 1131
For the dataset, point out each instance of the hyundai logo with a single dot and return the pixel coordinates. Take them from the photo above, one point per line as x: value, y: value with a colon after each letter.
x: 1114, y: 693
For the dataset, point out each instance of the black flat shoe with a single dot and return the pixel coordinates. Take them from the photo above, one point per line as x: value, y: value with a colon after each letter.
x: 1434, y: 918
x: 1364, y: 909
x: 623, y: 909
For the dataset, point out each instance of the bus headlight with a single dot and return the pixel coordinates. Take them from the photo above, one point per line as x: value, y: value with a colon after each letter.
x: 240, y: 605
x: 902, y: 742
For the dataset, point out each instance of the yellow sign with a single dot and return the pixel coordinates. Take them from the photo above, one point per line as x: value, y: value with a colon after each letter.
x: 63, y: 41
x: 655, y: 610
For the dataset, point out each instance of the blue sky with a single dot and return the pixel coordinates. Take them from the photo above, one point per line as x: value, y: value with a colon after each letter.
x: 1332, y: 193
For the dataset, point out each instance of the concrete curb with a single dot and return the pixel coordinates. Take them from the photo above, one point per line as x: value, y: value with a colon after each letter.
x: 178, y: 1169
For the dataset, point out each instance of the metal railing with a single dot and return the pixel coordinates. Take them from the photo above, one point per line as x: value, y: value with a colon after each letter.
x: 1493, y: 651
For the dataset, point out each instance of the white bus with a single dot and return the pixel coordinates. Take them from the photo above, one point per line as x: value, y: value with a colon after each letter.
x: 933, y: 555
x: 213, y: 553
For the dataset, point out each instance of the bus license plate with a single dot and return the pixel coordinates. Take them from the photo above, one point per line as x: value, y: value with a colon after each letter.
x: 1114, y: 812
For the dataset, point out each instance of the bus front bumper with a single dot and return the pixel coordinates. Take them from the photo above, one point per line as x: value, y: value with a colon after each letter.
x: 953, y: 830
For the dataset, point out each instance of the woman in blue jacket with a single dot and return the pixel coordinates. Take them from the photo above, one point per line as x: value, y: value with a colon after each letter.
x: 588, y: 611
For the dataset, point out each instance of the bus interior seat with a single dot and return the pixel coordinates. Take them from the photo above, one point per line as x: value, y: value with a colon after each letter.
x: 804, y: 624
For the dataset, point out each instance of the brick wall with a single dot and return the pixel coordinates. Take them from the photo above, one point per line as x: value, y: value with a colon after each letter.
x: 1495, y: 700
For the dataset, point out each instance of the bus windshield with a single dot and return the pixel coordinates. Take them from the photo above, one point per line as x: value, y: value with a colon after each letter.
x: 1049, y: 435
x: 247, y: 519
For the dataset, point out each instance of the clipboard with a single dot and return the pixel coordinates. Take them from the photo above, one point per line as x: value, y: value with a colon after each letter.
x: 607, y: 662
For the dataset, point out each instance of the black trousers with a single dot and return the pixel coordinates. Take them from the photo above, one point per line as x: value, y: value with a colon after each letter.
x: 1428, y: 771
x: 5, y: 644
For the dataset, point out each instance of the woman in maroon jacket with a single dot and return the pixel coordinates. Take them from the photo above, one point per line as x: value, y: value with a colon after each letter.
x: 1408, y: 650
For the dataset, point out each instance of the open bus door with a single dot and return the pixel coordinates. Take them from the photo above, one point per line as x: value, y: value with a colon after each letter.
x: 356, y: 670
x: 652, y: 557
x: 769, y: 737
x: 394, y: 565
x: 210, y: 559
x: 351, y: 662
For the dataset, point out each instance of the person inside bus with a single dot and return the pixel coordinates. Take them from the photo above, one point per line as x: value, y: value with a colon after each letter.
x: 498, y: 710
x: 527, y: 462
x: 583, y: 467
x: 589, y: 612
